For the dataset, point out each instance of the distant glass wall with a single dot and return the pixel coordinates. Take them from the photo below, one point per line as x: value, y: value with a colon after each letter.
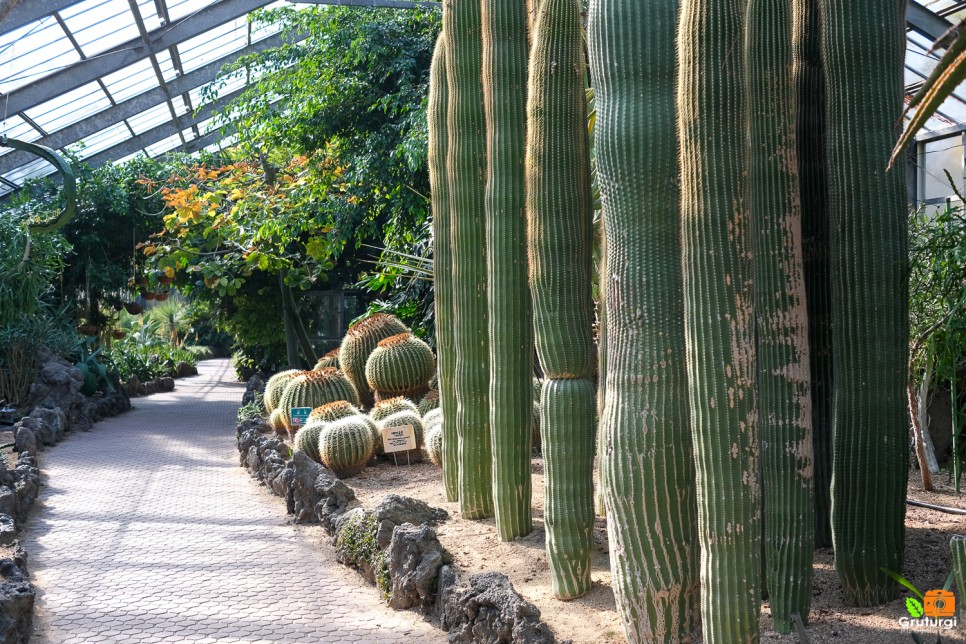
x: 938, y: 155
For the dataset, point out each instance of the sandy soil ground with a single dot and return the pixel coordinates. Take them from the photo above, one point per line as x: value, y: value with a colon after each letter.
x: 593, y: 618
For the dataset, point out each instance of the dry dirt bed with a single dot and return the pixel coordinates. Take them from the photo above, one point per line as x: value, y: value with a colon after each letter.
x: 593, y: 618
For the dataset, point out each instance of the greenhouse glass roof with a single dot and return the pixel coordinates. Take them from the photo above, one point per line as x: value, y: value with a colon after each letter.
x: 113, y: 79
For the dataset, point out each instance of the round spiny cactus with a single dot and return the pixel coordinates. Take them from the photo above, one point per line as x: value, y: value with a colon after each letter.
x: 331, y: 359
x: 433, y: 418
x: 333, y: 411
x: 307, y: 439
x: 346, y: 445
x: 400, y: 365
x: 429, y: 402
x: 389, y: 406
x: 275, y: 386
x: 359, y: 342
x: 314, y: 389
x: 405, y: 418
x: 434, y: 445
x: 277, y: 420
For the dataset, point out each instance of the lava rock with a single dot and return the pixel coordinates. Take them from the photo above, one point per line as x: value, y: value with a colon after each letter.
x: 302, y: 495
x: 414, y: 558
x: 184, y: 370
x: 490, y: 610
x: 27, y: 483
x: 395, y: 510
x: 54, y: 421
x: 166, y: 383
x: 255, y: 384
x: 24, y: 440
x: 8, y: 501
x: 16, y: 598
x: 337, y: 499
x: 8, y: 529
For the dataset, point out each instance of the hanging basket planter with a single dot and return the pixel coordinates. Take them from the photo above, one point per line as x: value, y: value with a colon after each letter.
x: 88, y: 329
x: 117, y: 334
x: 133, y: 308
x: 165, y: 280
x: 161, y: 297
x: 148, y: 295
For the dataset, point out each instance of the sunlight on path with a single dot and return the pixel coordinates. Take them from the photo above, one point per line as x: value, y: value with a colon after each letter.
x: 147, y: 530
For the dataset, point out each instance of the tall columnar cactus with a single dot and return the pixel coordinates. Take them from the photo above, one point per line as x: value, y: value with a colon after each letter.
x: 813, y: 169
x: 784, y: 399
x: 275, y: 386
x: 647, y: 468
x: 719, y: 316
x: 466, y: 171
x: 957, y: 546
x: 560, y: 240
x: 505, y: 51
x: 443, y: 259
x: 359, y: 342
x: 870, y: 333
x: 346, y: 445
x: 314, y: 389
x: 400, y: 365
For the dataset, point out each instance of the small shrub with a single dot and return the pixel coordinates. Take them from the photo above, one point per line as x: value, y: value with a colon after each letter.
x: 253, y: 410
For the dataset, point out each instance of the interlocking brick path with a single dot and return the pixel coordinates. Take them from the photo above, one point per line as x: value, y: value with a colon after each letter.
x: 147, y: 530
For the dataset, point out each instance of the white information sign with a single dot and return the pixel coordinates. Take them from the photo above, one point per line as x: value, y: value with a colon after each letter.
x: 398, y: 439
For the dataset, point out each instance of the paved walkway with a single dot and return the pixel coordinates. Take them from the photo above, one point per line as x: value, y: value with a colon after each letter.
x: 147, y: 530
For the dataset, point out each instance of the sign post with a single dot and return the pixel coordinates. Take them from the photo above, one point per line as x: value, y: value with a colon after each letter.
x: 399, y: 439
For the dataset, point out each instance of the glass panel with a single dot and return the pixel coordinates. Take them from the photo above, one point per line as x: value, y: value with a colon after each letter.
x: 36, y: 168
x: 106, y: 138
x: 164, y: 145
x: 213, y: 44
x: 69, y: 108
x: 32, y: 52
x: 134, y: 79
x: 178, y: 9
x: 940, y: 155
x: 102, y: 25
x: 17, y: 128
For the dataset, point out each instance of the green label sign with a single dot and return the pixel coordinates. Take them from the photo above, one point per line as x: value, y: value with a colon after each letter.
x: 299, y: 415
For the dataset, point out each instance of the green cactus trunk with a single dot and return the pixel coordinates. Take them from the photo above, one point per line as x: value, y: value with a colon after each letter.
x: 443, y: 262
x: 957, y: 547
x: 813, y: 170
x: 560, y: 244
x: 647, y: 468
x: 870, y: 334
x: 719, y: 315
x: 600, y: 503
x: 466, y: 171
x: 784, y: 399
x: 505, y: 52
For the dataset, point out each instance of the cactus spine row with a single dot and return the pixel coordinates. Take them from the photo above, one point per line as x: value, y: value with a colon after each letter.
x: 466, y: 171
x: 868, y: 226
x: 647, y: 470
x: 443, y: 260
x: 560, y: 240
x: 719, y: 315
x: 784, y: 397
x: 505, y: 53
x: 810, y: 85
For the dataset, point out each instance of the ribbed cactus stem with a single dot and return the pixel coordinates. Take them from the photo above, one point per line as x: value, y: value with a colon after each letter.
x: 647, y: 466
x: 443, y: 260
x: 869, y: 261
x: 784, y: 399
x: 466, y: 170
x: 505, y: 53
x: 600, y: 503
x: 719, y: 315
x: 560, y: 241
x: 813, y: 169
x: 957, y: 547
x: 346, y: 445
